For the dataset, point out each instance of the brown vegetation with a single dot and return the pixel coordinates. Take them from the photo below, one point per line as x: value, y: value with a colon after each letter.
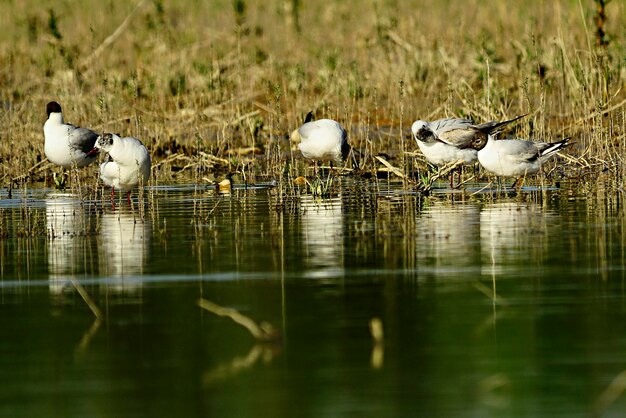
x: 213, y: 87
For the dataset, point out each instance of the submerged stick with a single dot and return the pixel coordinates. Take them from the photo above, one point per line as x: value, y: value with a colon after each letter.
x: 238, y: 364
x: 391, y: 168
x: 83, y: 293
x: 262, y: 332
x: 378, y: 348
x: 376, y: 329
x: 88, y: 336
x: 615, y: 389
x: 446, y: 169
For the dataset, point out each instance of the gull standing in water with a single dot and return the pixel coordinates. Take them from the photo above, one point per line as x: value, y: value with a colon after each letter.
x: 128, y: 166
x: 322, y: 140
x: 66, y: 145
x: 516, y: 157
x: 450, y: 140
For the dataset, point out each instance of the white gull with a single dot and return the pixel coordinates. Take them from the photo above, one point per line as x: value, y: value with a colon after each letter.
x: 323, y: 140
x: 129, y: 162
x: 517, y: 157
x: 66, y: 145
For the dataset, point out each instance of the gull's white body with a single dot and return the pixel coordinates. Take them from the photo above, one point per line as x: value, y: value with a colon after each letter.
x: 67, y: 145
x: 516, y: 157
x: 130, y: 165
x: 440, y: 153
x: 323, y: 139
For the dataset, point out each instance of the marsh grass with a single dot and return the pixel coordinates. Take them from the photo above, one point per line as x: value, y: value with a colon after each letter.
x: 213, y: 89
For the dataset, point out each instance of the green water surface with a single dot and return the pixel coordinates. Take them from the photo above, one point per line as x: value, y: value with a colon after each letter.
x: 509, y: 307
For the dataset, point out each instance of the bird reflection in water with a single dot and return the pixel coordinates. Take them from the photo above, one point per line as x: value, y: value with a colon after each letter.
x: 447, y: 238
x: 322, y: 235
x: 513, y: 233
x: 68, y: 228
x: 124, y: 249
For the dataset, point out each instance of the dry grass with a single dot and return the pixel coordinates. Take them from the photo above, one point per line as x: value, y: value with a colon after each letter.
x: 213, y: 87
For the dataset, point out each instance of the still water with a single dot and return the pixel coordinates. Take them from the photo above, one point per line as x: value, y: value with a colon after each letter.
x: 513, y: 306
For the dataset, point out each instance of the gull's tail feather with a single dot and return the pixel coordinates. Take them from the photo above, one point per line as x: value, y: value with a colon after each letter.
x: 548, y: 149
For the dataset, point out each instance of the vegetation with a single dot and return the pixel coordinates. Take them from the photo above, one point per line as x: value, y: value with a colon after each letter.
x: 213, y: 88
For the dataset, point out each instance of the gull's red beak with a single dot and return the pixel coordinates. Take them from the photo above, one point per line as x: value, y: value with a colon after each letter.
x: 92, y: 152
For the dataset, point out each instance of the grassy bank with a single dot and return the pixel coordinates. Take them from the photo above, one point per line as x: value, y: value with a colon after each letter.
x: 214, y: 86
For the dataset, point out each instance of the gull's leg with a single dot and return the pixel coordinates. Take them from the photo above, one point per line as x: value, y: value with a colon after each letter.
x: 128, y: 198
x: 113, y: 197
x: 458, y: 170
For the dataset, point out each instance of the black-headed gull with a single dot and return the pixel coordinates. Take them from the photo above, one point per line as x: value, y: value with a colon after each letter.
x: 66, y: 145
x: 322, y: 140
x: 129, y: 163
x: 449, y: 140
x: 516, y: 157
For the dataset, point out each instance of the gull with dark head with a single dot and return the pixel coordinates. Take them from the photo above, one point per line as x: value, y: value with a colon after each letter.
x: 129, y: 163
x: 517, y: 157
x: 322, y: 140
x: 66, y: 145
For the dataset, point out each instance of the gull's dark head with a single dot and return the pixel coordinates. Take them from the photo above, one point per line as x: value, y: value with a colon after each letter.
x: 479, y: 141
x: 105, y: 142
x: 422, y: 132
x: 53, y: 107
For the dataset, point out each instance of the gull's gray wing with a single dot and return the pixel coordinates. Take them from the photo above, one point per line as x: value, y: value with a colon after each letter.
x: 462, y: 138
x: 83, y: 139
x: 449, y: 124
x: 519, y: 150
x: 455, y: 131
x: 462, y: 132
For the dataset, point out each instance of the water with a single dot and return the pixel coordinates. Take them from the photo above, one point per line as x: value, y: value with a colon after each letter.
x: 490, y: 307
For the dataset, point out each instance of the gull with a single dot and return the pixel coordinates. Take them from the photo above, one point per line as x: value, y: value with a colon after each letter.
x: 322, y: 140
x: 453, y: 139
x: 128, y: 165
x: 516, y: 157
x: 66, y: 145
x: 450, y: 140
